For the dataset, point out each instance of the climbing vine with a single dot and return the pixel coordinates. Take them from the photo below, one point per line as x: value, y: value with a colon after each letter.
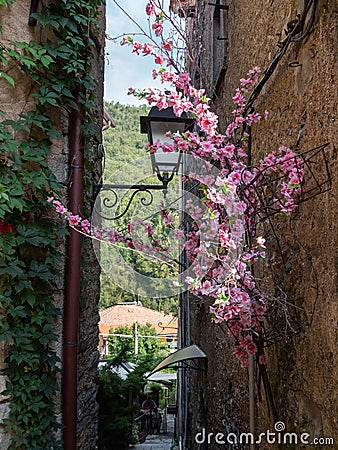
x: 29, y: 238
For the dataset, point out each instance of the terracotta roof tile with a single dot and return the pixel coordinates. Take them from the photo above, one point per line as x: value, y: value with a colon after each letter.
x: 123, y: 314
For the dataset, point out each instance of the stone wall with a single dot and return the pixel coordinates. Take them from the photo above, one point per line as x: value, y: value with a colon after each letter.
x: 90, y: 290
x: 14, y: 21
x: 301, y: 97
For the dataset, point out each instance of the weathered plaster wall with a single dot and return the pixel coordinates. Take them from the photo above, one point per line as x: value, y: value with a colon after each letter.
x: 219, y: 397
x: 14, y: 101
x: 302, y: 103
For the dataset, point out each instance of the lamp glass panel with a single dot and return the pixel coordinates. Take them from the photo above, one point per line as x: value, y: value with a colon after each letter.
x: 165, y: 161
x: 159, y: 130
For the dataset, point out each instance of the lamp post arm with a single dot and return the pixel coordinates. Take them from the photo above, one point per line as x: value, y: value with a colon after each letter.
x: 165, y: 179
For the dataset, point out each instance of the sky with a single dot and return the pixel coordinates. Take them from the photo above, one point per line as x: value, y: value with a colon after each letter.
x: 123, y: 69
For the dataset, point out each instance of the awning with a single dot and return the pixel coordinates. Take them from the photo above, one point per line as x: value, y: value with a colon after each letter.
x: 188, y: 353
x: 164, y: 378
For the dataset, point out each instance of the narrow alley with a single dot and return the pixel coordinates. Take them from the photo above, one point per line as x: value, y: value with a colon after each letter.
x: 160, y: 441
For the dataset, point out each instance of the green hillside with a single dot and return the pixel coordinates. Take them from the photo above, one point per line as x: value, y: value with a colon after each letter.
x: 123, y: 144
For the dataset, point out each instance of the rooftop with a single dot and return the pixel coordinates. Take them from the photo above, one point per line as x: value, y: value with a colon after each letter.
x: 126, y: 314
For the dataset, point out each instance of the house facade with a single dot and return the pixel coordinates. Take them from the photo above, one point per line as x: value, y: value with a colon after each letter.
x: 130, y: 314
x: 299, y: 91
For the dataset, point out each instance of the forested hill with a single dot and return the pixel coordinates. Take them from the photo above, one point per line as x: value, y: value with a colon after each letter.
x: 123, y: 144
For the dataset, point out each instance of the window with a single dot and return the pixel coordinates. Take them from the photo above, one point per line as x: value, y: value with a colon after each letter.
x: 219, y: 44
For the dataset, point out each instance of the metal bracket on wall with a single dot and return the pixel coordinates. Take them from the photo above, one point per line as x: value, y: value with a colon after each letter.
x: 218, y: 6
x: 110, y: 198
x: 193, y: 365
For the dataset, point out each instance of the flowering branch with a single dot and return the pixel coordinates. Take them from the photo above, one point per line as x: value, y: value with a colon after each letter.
x: 221, y: 264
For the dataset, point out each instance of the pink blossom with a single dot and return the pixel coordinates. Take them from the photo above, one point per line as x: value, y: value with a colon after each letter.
x: 254, y: 70
x: 167, y: 147
x: 186, y: 105
x: 235, y: 178
x: 150, y: 8
x: 208, y: 123
x: 149, y: 230
x: 262, y: 359
x: 238, y: 99
x: 159, y: 59
x: 260, y: 241
x: 85, y: 224
x: 59, y: 208
x: 167, y: 77
x: 230, y: 202
x: 167, y: 45
x: 162, y: 103
x: 73, y: 219
x: 245, y: 81
x: 136, y: 47
x: 169, y: 221
x: 190, y: 244
x: 158, y: 28
x: 174, y: 98
x: 182, y: 145
x: 179, y: 84
x: 184, y: 77
x: 253, y: 118
x: 177, y: 108
x: 147, y: 49
x: 260, y: 308
x: 250, y: 346
x: 201, y: 108
x: 239, y: 121
x: 206, y: 288
x: 230, y: 130
x: 156, y: 145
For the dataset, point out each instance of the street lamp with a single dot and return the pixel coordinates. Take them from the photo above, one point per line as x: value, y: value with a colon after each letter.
x: 164, y: 164
x: 157, y: 124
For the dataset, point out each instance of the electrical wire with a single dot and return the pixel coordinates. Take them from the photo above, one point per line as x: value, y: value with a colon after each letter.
x: 291, y: 38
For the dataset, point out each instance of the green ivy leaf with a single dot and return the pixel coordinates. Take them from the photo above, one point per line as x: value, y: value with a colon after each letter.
x: 8, y: 78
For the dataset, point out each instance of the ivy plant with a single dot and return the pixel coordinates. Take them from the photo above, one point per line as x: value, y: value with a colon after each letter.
x: 29, y: 241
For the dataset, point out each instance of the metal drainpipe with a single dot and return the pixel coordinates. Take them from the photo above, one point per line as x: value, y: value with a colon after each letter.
x: 73, y: 275
x: 252, y: 403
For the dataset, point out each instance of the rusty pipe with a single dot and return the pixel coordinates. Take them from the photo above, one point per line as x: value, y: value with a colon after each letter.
x: 73, y: 276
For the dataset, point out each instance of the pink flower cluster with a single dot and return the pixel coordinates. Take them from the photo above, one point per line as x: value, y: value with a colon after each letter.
x: 222, y: 265
x: 147, y: 49
x: 167, y: 217
x: 288, y: 168
x: 184, y: 98
x: 110, y: 235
